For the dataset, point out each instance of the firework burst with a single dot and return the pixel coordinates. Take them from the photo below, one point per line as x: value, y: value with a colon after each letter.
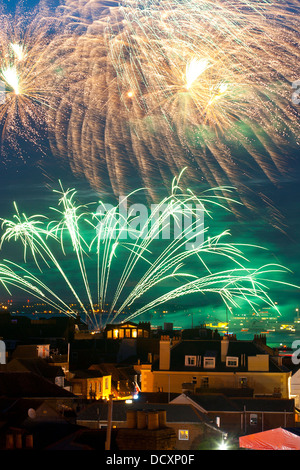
x: 126, y: 265
x: 24, y: 75
x: 157, y: 86
x: 131, y: 92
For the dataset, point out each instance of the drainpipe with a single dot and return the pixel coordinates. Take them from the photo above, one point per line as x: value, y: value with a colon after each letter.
x: 109, y: 423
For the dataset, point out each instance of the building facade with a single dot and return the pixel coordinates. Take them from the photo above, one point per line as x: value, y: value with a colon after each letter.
x: 214, y: 365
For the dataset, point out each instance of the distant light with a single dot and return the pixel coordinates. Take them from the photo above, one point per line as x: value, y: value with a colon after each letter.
x: 223, y: 446
x: 128, y: 402
x: 130, y: 94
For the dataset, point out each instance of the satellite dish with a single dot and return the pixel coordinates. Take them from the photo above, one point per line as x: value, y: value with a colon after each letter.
x: 31, y: 413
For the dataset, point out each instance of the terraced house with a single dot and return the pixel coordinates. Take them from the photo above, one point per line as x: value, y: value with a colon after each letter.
x: 216, y: 365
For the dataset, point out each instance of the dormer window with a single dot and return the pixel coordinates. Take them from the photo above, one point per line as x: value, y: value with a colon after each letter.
x: 190, y: 360
x: 232, y: 361
x: 209, y: 362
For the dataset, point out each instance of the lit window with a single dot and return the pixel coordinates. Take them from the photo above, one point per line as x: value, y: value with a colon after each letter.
x: 183, y: 435
x: 121, y: 333
x: 209, y: 362
x: 109, y: 334
x: 204, y: 382
x: 243, y: 381
x: 116, y: 334
x: 134, y: 333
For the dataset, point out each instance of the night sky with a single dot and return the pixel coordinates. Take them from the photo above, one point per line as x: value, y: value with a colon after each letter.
x: 29, y: 181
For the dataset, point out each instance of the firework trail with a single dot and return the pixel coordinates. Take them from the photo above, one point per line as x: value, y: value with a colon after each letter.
x: 122, y: 265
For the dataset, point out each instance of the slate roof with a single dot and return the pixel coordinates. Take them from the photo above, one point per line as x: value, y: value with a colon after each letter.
x: 212, y: 348
x: 87, y: 374
x: 219, y: 402
x: 265, y: 404
x: 28, y: 384
x: 175, y: 413
x: 38, y: 366
x: 215, y: 402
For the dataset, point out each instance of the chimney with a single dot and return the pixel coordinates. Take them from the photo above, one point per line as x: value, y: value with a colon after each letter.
x: 164, y: 353
x: 224, y: 347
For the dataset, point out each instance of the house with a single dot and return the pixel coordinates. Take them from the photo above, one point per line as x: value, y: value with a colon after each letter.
x: 32, y: 423
x: 190, y: 427
x: 242, y: 415
x: 38, y: 366
x: 128, y: 330
x: 29, y: 401
x: 54, y: 330
x: 124, y: 379
x: 214, y: 365
x: 90, y: 384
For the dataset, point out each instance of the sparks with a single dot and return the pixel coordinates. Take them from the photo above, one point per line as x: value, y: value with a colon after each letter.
x: 194, y: 69
x: 109, y: 265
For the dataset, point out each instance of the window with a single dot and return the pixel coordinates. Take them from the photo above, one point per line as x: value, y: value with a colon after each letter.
x: 183, y: 435
x: 190, y: 360
x: 243, y: 381
x: 59, y: 381
x: 232, y: 361
x: 253, y: 420
x: 204, y: 382
x: 116, y: 334
x: 109, y: 334
x: 194, y: 380
x: 106, y: 383
x: 209, y: 362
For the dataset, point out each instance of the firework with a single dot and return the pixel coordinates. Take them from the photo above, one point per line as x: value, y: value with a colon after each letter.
x: 126, y: 265
x: 154, y: 86
x: 25, y: 75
